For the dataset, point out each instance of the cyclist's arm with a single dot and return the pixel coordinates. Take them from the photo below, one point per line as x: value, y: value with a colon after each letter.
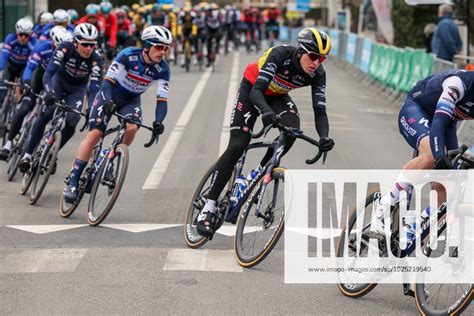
x: 194, y: 30
x: 6, y: 50
x: 33, y: 62
x: 318, y: 92
x: 96, y: 76
x: 53, y: 66
x: 113, y: 30
x: 265, y: 75
x: 162, y: 97
x: 453, y: 91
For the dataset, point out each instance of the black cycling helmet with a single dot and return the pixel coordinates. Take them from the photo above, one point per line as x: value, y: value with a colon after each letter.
x: 313, y: 40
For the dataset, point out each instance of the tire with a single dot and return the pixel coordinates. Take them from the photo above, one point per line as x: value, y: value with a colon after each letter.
x: 191, y: 237
x: 248, y: 260
x: 48, y: 158
x: 15, y: 158
x: 26, y: 182
x: 96, y: 214
x: 451, y: 302
x: 67, y: 209
x: 457, y: 308
x: 354, y: 290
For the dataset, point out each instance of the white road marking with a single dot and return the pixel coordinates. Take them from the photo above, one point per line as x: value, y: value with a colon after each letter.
x: 231, y: 95
x: 229, y: 230
x: 44, y: 229
x: 201, y: 260
x: 139, y: 228
x: 42, y: 261
x: 161, y: 164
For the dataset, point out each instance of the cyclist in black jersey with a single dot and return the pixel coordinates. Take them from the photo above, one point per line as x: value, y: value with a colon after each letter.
x: 264, y: 90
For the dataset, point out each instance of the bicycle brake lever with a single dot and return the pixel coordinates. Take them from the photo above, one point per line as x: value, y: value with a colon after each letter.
x: 324, y: 157
x: 267, y: 129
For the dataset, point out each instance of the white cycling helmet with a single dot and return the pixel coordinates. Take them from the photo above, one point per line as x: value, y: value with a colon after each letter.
x: 46, y: 17
x: 60, y: 16
x: 24, y: 25
x: 59, y: 34
x: 156, y: 35
x: 85, y: 32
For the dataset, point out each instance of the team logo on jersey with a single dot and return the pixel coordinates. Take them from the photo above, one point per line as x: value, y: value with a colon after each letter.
x: 133, y: 58
x: 454, y: 93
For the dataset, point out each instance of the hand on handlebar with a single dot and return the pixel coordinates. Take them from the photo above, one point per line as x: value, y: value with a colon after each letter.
x: 326, y: 144
x: 49, y: 99
x: 109, y: 108
x: 158, y: 128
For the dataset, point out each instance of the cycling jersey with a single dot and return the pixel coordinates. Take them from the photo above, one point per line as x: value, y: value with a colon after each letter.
x: 15, y: 53
x: 111, y: 27
x: 36, y: 30
x: 99, y: 24
x: 187, y: 28
x: 41, y: 55
x: 441, y: 100
x: 278, y: 72
x: 73, y: 69
x: 49, y: 26
x: 127, y: 78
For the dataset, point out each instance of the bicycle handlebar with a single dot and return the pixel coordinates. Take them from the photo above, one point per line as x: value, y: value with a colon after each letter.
x: 458, y: 154
x: 297, y: 133
x: 154, y: 136
x: 11, y: 83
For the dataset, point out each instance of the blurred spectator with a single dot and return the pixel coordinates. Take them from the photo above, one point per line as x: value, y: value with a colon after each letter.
x: 446, y: 39
x: 429, y: 32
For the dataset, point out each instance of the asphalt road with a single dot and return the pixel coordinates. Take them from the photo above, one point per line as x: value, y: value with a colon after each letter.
x: 138, y: 263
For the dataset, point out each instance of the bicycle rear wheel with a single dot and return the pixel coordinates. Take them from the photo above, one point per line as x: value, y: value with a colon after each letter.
x: 45, y: 168
x: 104, y: 193
x: 257, y: 235
x: 15, y: 157
x: 66, y: 209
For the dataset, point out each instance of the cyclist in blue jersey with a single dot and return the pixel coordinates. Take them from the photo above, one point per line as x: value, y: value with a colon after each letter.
x: 33, y: 81
x: 72, y: 67
x: 428, y: 120
x: 129, y: 75
x: 61, y: 17
x: 15, y: 52
x: 44, y: 18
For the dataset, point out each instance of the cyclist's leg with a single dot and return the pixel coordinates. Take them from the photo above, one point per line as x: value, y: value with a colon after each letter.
x: 97, y: 126
x: 131, y: 109
x: 74, y: 98
x: 286, y: 108
x: 243, y: 119
x: 27, y: 102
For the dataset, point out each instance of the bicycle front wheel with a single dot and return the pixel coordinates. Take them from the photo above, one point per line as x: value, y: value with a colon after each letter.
x: 107, y: 185
x: 256, y: 235
x: 445, y: 298
x: 45, y: 168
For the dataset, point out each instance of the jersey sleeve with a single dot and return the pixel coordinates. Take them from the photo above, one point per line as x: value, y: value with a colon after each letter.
x: 453, y: 91
x: 163, y: 87
x: 53, y: 66
x: 6, y: 50
x: 117, y: 67
x: 318, y: 91
x: 33, y: 61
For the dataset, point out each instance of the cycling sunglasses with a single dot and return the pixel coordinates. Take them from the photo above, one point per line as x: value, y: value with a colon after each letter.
x: 86, y: 44
x: 313, y: 56
x: 161, y: 48
x: 23, y: 34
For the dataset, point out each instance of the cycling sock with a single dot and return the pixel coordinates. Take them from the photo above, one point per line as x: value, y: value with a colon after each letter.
x: 76, y: 172
x: 210, y: 206
x: 394, y: 195
x: 8, y: 145
x: 27, y: 155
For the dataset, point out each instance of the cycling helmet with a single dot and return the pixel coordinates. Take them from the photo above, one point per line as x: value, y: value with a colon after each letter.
x: 61, y: 16
x: 105, y: 7
x: 156, y: 35
x: 126, y: 8
x: 315, y: 41
x: 46, y: 17
x: 85, y: 32
x: 135, y: 7
x: 24, y: 25
x: 120, y: 13
x: 156, y: 7
x: 92, y: 9
x: 59, y: 34
x: 73, y: 16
